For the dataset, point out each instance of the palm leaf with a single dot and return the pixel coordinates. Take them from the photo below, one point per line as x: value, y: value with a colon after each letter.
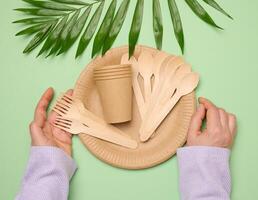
x: 64, y: 33
x: 157, y: 23
x: 53, y: 36
x: 67, y: 29
x: 215, y: 5
x: 60, y: 23
x: 38, y: 38
x: 201, y: 12
x: 31, y: 30
x: 34, y: 20
x: 177, y: 24
x: 136, y: 26
x: 116, y: 26
x: 103, y: 30
x: 72, y: 2
x: 41, y: 12
x: 49, y: 5
x: 90, y: 30
x: 76, y: 30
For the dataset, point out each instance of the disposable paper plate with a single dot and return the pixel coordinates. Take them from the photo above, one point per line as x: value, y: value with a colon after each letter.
x: 170, y: 135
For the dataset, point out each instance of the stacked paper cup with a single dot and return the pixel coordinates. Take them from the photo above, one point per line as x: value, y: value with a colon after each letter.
x: 114, y: 85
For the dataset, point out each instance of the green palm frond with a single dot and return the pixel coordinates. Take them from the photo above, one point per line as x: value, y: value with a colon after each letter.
x: 58, y: 24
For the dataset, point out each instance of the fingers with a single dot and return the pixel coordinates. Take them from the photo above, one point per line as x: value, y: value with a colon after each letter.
x: 62, y: 136
x: 36, y: 134
x: 41, y: 109
x: 69, y: 92
x: 227, y: 120
x: 224, y: 118
x: 212, y: 114
x: 232, y: 124
x: 196, y: 121
x: 207, y: 103
x: 52, y: 115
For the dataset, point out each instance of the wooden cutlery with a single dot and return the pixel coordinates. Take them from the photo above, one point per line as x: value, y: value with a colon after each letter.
x: 145, y: 64
x: 166, y: 78
x: 75, y: 118
x: 76, y: 127
x: 186, y: 85
x: 139, y: 96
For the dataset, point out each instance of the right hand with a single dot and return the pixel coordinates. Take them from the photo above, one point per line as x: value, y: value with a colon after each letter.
x: 220, y: 126
x: 42, y: 131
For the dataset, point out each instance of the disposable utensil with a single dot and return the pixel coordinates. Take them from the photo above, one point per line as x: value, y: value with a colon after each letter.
x: 136, y: 86
x: 158, y: 60
x: 174, y: 77
x: 167, y: 69
x: 173, y: 81
x: 168, y: 137
x: 187, y: 85
x: 145, y: 64
x: 168, y: 66
x: 76, y: 127
x: 69, y: 108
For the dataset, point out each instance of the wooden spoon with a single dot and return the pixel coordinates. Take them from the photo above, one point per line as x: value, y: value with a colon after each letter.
x: 160, y: 74
x: 159, y: 58
x: 187, y: 85
x: 173, y: 82
x: 169, y: 66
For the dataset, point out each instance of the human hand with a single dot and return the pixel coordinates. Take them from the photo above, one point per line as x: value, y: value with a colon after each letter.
x: 42, y: 131
x: 220, y: 126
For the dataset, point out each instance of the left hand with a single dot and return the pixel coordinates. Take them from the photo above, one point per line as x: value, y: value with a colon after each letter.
x: 42, y: 131
x: 220, y: 130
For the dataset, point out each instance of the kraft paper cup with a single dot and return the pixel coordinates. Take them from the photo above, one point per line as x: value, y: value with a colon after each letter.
x: 113, y: 77
x: 111, y: 67
x: 110, y: 72
x: 107, y: 75
x: 116, y: 98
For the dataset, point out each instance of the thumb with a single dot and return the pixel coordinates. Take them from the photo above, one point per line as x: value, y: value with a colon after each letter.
x: 196, y: 121
x: 36, y: 134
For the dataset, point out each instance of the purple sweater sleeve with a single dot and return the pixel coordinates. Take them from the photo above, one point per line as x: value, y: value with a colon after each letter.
x: 47, y: 175
x: 204, y: 173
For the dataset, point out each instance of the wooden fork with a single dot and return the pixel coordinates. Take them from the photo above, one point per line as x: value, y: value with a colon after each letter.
x: 69, y: 108
x: 76, y: 127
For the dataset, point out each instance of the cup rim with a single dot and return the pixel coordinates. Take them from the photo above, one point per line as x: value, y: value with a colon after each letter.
x: 107, y: 74
x: 113, y: 77
x: 113, y: 70
x: 108, y: 67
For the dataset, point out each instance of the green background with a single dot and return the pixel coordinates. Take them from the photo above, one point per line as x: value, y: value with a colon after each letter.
x: 226, y: 60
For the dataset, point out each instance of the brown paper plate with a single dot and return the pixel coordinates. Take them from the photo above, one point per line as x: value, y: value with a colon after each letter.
x: 170, y: 135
